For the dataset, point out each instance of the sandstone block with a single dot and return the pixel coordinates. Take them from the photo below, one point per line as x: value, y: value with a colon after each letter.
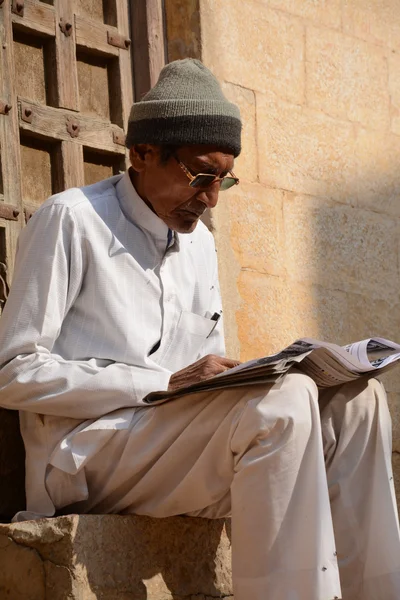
x: 377, y: 22
x: 256, y: 47
x: 22, y: 572
x: 246, y: 165
x: 323, y: 12
x: 341, y: 247
x: 305, y: 151
x: 276, y: 311
x: 256, y: 228
x: 394, y: 88
x: 347, y: 78
x: 391, y: 381
x: 378, y: 173
x: 262, y: 324
x: 371, y: 316
x: 115, y: 558
x: 229, y: 269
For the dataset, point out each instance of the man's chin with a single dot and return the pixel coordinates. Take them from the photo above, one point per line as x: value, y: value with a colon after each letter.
x: 185, y: 226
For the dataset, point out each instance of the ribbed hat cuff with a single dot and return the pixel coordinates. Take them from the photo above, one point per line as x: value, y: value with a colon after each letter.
x: 219, y: 130
x: 181, y: 107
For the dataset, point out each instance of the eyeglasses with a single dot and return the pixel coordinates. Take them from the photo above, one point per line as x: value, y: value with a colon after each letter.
x: 205, y: 180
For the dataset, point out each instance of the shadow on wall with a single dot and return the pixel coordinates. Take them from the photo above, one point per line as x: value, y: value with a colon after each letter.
x: 341, y: 266
x: 347, y: 258
x: 315, y: 265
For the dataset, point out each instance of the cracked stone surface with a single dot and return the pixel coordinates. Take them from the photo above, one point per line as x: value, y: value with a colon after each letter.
x: 111, y: 557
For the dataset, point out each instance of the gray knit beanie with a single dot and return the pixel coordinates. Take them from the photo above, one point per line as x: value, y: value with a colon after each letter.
x: 185, y: 107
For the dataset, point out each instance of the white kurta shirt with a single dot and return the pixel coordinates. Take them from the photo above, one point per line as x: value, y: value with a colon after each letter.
x: 95, y: 288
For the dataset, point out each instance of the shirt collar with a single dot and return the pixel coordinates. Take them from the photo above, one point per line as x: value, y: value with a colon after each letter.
x: 137, y: 211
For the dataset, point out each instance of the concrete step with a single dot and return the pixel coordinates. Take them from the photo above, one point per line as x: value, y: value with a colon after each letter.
x: 112, y: 557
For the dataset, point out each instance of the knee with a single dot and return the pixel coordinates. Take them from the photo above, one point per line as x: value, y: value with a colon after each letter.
x: 299, y: 401
x: 365, y: 397
x: 358, y: 405
x: 285, y: 411
x: 300, y: 413
x: 376, y: 393
x: 372, y: 403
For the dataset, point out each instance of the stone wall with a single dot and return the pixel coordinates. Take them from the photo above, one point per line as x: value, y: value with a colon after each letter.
x: 309, y: 242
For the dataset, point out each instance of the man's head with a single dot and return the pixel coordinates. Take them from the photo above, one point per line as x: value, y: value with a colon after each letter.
x: 183, y: 127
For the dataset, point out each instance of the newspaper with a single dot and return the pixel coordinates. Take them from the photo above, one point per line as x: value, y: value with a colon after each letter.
x: 327, y: 364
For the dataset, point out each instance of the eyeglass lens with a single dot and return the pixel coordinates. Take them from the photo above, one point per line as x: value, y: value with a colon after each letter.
x: 202, y: 180
x: 205, y: 180
x: 227, y: 183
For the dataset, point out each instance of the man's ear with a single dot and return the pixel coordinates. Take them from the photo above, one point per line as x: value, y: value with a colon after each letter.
x: 142, y: 155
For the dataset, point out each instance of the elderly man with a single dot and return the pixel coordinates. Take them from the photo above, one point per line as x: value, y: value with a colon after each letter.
x: 124, y: 301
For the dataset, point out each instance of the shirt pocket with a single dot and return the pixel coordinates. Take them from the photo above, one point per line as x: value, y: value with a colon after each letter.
x: 191, y: 331
x: 195, y: 324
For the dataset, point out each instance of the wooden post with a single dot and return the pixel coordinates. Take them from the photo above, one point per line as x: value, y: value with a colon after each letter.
x: 67, y: 80
x: 9, y: 141
x: 148, y: 51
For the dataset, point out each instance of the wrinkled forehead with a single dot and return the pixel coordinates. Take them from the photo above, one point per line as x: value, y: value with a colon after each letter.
x: 206, y: 157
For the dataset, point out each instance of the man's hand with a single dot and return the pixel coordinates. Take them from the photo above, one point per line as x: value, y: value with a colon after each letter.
x: 205, y: 368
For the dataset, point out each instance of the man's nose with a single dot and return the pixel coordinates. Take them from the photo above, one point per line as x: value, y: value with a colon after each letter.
x: 209, y: 197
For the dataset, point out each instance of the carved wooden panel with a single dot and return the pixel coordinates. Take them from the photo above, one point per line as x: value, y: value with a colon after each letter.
x: 65, y: 96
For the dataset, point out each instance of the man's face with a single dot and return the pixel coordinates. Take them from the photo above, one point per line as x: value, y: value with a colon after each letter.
x: 165, y: 186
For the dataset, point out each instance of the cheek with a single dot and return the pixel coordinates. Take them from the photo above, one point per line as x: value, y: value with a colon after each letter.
x: 173, y: 198
x: 165, y: 193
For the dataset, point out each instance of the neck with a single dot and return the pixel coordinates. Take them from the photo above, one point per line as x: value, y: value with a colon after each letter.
x: 137, y: 184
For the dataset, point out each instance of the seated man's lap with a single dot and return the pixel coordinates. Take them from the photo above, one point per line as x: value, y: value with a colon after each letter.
x: 180, y: 456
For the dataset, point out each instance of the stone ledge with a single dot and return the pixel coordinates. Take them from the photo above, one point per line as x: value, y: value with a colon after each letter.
x: 112, y: 557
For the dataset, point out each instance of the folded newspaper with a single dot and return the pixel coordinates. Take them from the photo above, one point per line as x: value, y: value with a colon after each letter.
x: 327, y: 364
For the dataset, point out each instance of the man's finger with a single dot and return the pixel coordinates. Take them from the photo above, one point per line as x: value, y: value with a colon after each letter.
x: 229, y: 362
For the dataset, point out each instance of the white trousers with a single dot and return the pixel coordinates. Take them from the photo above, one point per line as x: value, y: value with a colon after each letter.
x: 310, y: 491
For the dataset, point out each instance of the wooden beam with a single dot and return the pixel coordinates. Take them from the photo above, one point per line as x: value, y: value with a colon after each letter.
x: 9, y: 133
x: 10, y: 163
x: 67, y: 75
x: 39, y: 18
x: 93, y: 35
x: 148, y: 43
x: 72, y: 165
x: 125, y: 67
x: 53, y: 123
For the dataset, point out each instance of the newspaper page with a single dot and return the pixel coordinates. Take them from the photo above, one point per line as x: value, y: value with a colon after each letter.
x: 326, y: 363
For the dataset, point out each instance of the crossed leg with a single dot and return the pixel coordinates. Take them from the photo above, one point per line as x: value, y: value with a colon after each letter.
x: 257, y: 453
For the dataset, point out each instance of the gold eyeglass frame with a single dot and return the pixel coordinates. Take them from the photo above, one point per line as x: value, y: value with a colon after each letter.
x: 216, y: 178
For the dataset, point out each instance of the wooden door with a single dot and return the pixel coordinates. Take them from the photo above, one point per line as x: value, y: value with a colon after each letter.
x: 65, y: 96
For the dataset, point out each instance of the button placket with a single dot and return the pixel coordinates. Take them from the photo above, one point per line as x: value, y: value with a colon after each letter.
x: 171, y: 308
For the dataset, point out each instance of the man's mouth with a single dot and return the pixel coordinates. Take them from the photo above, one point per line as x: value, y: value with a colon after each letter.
x: 192, y: 213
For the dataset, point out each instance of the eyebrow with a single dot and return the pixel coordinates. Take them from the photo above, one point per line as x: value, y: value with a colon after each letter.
x: 204, y: 167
